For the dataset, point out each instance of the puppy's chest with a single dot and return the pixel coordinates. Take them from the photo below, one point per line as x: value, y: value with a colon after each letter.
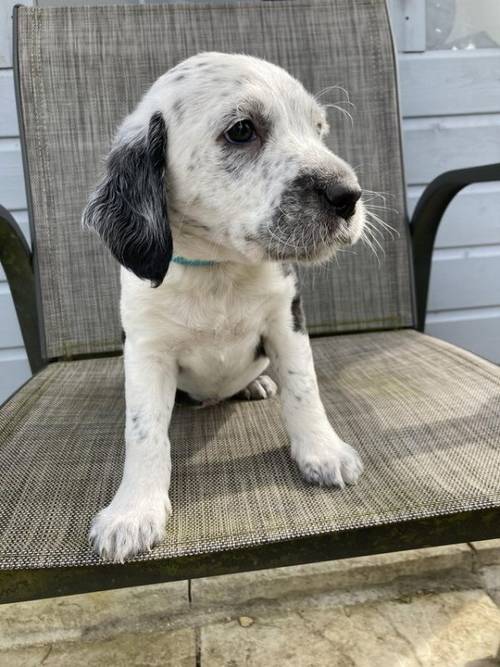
x: 221, y: 351
x: 221, y: 333
x: 212, y: 326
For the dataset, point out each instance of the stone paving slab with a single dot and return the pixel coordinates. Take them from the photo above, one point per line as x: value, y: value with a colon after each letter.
x: 100, y: 615
x: 266, y: 585
x: 491, y: 581
x: 459, y: 629
x: 92, y: 615
x: 487, y: 551
x: 168, y: 649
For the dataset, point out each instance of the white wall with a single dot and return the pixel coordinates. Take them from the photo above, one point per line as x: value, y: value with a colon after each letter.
x: 451, y: 108
x: 451, y: 118
x: 14, y: 367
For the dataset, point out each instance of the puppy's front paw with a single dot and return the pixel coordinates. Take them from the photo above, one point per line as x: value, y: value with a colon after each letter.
x: 122, y: 530
x: 260, y: 388
x: 327, y: 461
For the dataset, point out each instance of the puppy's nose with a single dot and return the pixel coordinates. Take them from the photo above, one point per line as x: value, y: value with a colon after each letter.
x: 342, y: 198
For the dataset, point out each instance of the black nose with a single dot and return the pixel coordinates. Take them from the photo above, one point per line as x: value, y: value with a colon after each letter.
x: 342, y: 198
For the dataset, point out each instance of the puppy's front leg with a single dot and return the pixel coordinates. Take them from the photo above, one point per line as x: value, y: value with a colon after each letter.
x: 135, y: 519
x: 323, y: 458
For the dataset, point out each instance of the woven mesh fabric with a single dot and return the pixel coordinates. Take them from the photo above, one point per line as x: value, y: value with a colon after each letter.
x: 83, y: 69
x: 423, y: 414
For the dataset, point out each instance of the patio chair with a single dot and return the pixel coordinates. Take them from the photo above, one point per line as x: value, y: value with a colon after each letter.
x: 424, y: 415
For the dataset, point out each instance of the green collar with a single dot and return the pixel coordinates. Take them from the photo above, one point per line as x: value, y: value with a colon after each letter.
x: 178, y: 259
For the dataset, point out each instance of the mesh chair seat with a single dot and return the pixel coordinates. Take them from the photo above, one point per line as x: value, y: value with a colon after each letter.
x: 423, y: 414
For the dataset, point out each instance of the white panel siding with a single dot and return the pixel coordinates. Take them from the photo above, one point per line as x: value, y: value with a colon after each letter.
x: 451, y: 108
x: 435, y: 145
x: 12, y: 193
x: 465, y: 278
x: 14, y: 366
x: 10, y: 333
x: 6, y: 30
x: 472, y: 218
x: 440, y: 83
x: 8, y: 116
x: 14, y: 371
x: 477, y: 330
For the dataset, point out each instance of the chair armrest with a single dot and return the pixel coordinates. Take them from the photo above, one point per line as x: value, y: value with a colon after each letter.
x: 427, y: 216
x: 16, y: 259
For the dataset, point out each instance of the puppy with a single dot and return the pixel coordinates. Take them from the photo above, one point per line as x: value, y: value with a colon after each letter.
x: 223, y: 162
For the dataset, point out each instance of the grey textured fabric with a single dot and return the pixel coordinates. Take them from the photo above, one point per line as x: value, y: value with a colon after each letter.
x: 83, y: 69
x: 423, y: 414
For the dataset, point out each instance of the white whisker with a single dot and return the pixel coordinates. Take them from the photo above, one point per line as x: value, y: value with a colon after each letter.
x: 342, y: 110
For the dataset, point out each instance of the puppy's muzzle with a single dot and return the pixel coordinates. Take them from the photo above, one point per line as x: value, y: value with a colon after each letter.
x: 340, y: 198
x: 316, y: 215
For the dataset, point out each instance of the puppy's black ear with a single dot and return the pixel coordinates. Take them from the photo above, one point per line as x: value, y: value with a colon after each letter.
x: 129, y: 207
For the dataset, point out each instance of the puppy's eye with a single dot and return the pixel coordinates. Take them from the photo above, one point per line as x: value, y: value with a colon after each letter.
x: 242, y: 132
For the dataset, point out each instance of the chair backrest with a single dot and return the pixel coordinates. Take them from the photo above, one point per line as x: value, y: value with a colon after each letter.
x: 82, y: 69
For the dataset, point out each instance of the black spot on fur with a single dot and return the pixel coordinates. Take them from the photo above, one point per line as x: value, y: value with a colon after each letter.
x: 137, y: 429
x: 179, y: 77
x: 299, y: 319
x: 129, y: 207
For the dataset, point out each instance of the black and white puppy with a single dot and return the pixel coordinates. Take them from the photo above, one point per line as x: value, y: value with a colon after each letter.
x: 223, y: 161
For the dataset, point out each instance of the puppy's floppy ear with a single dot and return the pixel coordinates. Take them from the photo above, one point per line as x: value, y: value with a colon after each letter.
x: 129, y: 207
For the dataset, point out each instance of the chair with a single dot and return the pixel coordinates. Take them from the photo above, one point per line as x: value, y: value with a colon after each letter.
x: 424, y: 415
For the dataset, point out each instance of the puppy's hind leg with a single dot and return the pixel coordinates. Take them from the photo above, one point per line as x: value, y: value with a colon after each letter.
x: 261, y: 388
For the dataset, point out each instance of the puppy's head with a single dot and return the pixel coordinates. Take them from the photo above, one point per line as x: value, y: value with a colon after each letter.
x: 244, y: 175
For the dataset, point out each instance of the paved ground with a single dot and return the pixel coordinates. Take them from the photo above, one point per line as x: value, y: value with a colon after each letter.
x: 433, y: 607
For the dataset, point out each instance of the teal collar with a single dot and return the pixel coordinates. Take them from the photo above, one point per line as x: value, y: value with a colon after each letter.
x: 178, y: 259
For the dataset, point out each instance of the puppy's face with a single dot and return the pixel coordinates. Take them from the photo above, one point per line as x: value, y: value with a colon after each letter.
x: 246, y: 167
x: 247, y: 164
